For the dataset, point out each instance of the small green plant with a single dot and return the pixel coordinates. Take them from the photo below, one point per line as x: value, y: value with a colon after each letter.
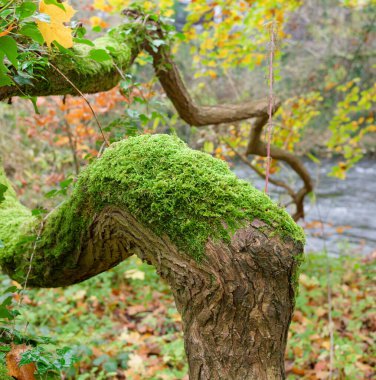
x: 49, y: 362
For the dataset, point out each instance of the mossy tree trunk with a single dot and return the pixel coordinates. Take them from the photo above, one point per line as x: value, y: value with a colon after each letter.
x: 236, y: 307
x: 229, y: 254
x: 236, y: 304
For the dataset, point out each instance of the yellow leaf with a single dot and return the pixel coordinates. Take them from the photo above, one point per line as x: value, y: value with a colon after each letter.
x: 98, y: 21
x: 134, y: 274
x: 55, y: 30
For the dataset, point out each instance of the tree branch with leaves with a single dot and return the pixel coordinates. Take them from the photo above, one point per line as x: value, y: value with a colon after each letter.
x: 229, y: 253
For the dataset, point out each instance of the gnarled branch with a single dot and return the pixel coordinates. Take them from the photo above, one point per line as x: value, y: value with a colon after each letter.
x: 228, y: 252
x: 258, y: 147
x: 89, y: 76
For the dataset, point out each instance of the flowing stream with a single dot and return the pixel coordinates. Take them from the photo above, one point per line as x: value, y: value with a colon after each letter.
x: 341, y: 217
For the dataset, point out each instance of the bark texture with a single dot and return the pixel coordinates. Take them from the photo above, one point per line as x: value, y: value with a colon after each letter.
x: 236, y: 299
x: 236, y: 304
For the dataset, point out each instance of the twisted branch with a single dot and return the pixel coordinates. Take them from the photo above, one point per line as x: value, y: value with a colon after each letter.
x: 258, y: 147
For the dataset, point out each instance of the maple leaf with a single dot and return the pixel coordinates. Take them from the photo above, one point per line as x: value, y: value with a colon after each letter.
x: 55, y: 30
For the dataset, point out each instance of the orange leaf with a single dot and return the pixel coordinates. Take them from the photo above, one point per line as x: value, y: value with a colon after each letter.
x: 26, y: 372
x: 7, y: 30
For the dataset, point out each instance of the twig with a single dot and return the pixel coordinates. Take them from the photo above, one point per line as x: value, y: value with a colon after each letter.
x: 34, y: 250
x: 329, y: 297
x: 271, y: 103
x: 72, y: 144
x: 85, y: 99
x: 275, y: 182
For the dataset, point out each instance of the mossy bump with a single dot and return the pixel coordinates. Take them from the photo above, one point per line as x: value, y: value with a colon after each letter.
x: 173, y: 190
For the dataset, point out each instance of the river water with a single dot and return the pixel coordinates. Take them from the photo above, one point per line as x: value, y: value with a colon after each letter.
x: 341, y: 217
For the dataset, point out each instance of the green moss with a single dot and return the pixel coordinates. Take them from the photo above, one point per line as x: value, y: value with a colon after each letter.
x: 174, y: 190
x: 116, y: 42
x: 184, y: 193
x: 15, y: 220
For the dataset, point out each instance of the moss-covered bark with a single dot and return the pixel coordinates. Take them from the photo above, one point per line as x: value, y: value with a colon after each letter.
x: 229, y: 253
x: 172, y: 190
x: 87, y: 74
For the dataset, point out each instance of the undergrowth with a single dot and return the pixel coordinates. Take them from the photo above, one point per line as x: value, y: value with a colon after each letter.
x: 124, y: 323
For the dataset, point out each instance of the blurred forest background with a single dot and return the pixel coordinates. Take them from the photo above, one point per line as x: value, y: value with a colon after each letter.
x: 123, y: 324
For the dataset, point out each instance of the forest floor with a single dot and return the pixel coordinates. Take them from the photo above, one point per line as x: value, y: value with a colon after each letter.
x: 123, y: 324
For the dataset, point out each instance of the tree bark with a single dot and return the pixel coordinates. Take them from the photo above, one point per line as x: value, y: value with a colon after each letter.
x: 236, y: 299
x: 236, y: 304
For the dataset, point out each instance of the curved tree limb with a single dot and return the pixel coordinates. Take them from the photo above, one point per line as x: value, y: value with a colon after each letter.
x: 89, y: 76
x: 236, y: 301
x: 195, y: 115
x: 261, y: 174
x: 258, y: 147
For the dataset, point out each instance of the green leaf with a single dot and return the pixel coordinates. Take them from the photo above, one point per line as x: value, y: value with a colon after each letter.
x: 96, y: 29
x: 158, y: 43
x: 5, y: 313
x: 55, y: 2
x: 7, y: 301
x: 3, y: 189
x: 5, y: 80
x: 84, y: 41
x: 11, y: 289
x: 38, y: 211
x: 31, y: 30
x: 51, y: 194
x: 80, y: 32
x: 314, y: 158
x: 33, y: 100
x: 1, y: 244
x: 66, y: 183
x: 9, y: 47
x: 25, y: 10
x: 99, y: 55
x: 62, y: 49
x: 23, y: 79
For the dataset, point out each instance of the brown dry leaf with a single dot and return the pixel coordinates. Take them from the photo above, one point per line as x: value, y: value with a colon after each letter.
x: 26, y: 372
x: 55, y: 30
x: 322, y: 375
x: 136, y: 364
x: 308, y: 282
x: 321, y: 366
x: 298, y: 351
x: 341, y: 229
x: 132, y: 337
x: 297, y: 371
x: 320, y: 311
x: 364, y: 367
x: 297, y: 316
x: 136, y: 309
x: 314, y: 337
